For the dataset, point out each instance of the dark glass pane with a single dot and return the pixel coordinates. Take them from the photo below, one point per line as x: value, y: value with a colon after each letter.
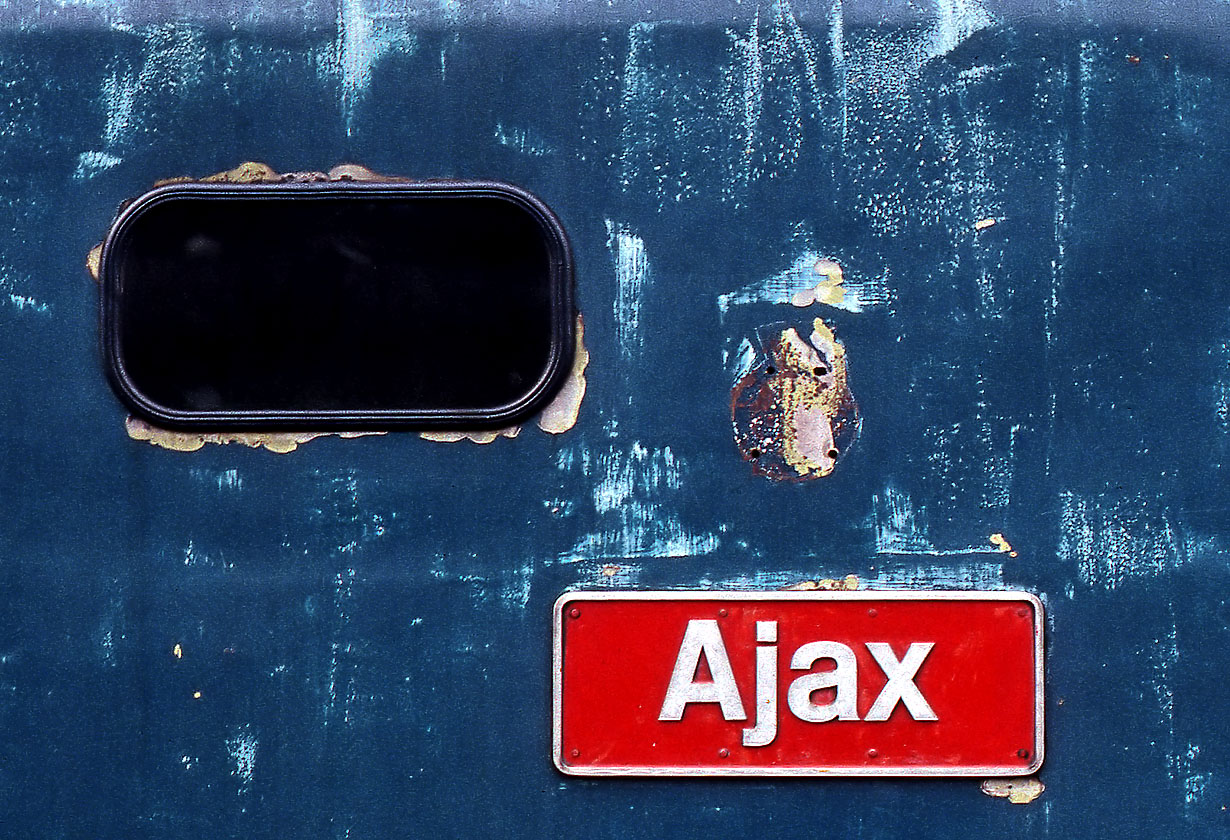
x: 336, y: 303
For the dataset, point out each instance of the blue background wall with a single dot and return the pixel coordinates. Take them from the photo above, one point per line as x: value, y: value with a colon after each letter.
x: 367, y: 622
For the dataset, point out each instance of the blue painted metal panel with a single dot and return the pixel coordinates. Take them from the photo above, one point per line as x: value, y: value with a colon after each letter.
x: 352, y: 639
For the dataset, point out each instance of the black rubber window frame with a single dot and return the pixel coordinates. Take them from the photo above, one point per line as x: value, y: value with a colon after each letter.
x: 562, y: 326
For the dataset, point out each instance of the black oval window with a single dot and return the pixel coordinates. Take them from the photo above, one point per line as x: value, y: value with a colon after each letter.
x: 301, y: 305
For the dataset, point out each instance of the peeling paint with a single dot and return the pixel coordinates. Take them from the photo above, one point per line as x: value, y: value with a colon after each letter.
x: 848, y: 584
x: 561, y: 414
x: 278, y: 442
x: 793, y: 413
x: 1016, y: 791
x: 481, y: 436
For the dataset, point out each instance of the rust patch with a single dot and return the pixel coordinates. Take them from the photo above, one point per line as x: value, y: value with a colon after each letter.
x: 793, y: 414
x: 279, y: 442
x: 849, y: 583
x: 1016, y: 791
x: 558, y: 417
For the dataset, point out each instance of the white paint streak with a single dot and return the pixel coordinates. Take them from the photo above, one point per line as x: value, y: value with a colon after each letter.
x: 631, y: 278
x: 242, y: 748
x: 1111, y: 541
x: 90, y: 164
x: 523, y: 140
x: 631, y: 503
x: 955, y: 21
x: 857, y: 295
x: 363, y: 38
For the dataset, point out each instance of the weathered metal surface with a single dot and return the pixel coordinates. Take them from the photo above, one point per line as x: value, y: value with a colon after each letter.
x: 350, y: 639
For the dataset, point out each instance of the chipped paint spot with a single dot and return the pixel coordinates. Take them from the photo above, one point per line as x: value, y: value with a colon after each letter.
x: 983, y: 224
x: 792, y: 412
x: 847, y: 584
x: 177, y: 651
x: 1016, y: 791
x: 610, y: 570
x: 278, y: 442
x: 196, y: 695
x: 1002, y: 544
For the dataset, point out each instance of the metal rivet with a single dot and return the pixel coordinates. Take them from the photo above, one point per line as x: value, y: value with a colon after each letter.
x: 872, y: 753
x: 574, y: 612
x: 1022, y: 753
x: 722, y: 613
x: 576, y: 753
x: 873, y: 613
x: 723, y: 753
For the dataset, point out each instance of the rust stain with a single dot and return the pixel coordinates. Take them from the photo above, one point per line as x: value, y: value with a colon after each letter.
x: 278, y: 442
x: 792, y: 411
x: 828, y: 291
x: 847, y: 584
x: 1016, y: 791
x: 610, y: 570
x: 1002, y: 544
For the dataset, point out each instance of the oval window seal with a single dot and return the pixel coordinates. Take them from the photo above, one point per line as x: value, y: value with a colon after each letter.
x: 357, y: 305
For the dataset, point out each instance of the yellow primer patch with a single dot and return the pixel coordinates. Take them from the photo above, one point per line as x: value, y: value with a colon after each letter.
x: 1016, y: 791
x: 561, y: 414
x: 278, y: 442
x: 1002, y: 544
x: 847, y: 584
x: 93, y: 261
x: 482, y: 436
